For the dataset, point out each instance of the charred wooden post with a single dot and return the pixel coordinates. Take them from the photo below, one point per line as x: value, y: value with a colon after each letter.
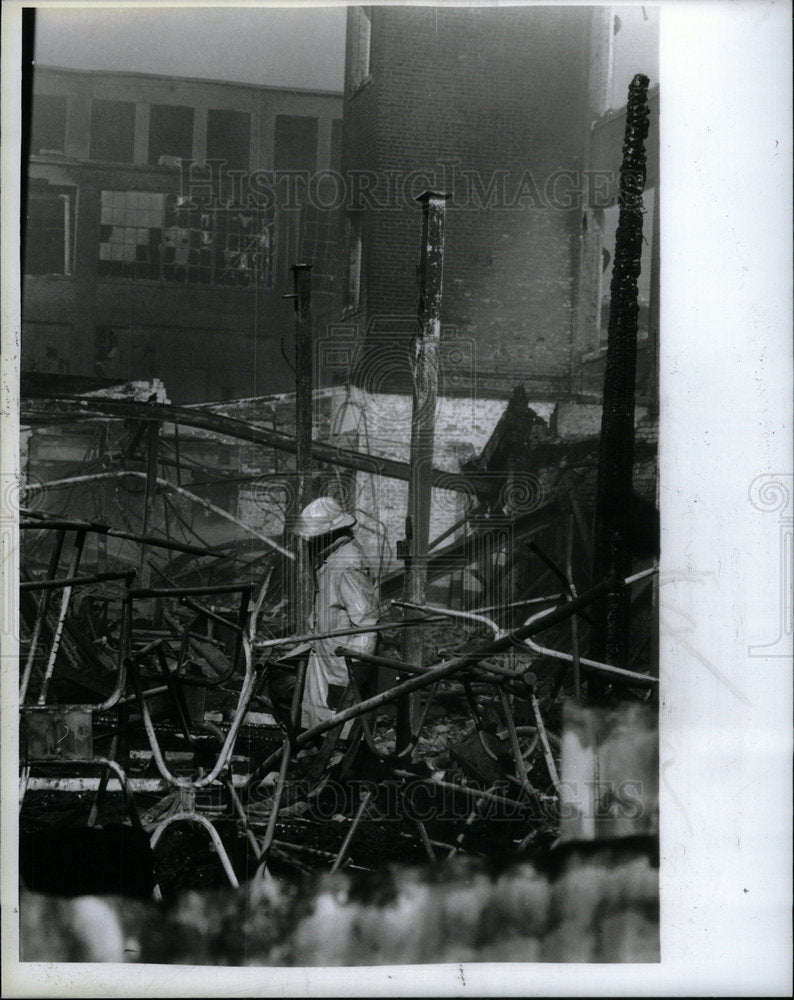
x: 152, y: 442
x: 612, y: 556
x: 303, y: 436
x: 424, y: 362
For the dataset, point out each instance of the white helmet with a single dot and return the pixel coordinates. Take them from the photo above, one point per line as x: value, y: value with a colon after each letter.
x: 321, y: 516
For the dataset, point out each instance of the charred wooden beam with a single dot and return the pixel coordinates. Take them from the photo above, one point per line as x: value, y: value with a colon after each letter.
x: 303, y: 580
x: 242, y: 430
x: 612, y: 553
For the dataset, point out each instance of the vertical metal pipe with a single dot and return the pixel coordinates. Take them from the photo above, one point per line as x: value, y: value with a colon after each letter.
x: 67, y: 235
x: 152, y: 438
x: 67, y: 593
x: 424, y: 361
x: 612, y: 556
x: 577, y: 684
x: 41, y: 614
x: 303, y: 433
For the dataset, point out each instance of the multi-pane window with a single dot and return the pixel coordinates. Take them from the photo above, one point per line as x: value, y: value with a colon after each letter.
x: 318, y: 245
x: 48, y: 126
x: 170, y: 132
x: 112, y: 131
x: 158, y: 236
x: 49, y: 233
x: 131, y: 228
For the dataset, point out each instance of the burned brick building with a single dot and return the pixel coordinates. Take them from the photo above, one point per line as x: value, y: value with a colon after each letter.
x: 161, y: 224
x: 164, y: 215
x: 516, y: 114
x: 164, y: 577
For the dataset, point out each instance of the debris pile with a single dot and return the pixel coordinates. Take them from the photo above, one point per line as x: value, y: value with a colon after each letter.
x: 146, y: 652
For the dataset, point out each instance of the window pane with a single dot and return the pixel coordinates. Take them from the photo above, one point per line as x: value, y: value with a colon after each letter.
x: 170, y: 132
x: 130, y: 234
x: 295, y: 143
x: 48, y: 128
x: 49, y: 230
x: 229, y: 138
x: 150, y: 235
x: 112, y: 131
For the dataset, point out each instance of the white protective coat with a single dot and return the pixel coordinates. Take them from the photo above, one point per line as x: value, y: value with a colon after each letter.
x: 344, y: 596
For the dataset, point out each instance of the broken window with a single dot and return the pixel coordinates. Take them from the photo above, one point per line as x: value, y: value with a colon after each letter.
x: 112, y: 131
x: 163, y: 237
x: 49, y: 233
x: 131, y: 227
x: 170, y: 132
x: 48, y: 127
x: 229, y: 138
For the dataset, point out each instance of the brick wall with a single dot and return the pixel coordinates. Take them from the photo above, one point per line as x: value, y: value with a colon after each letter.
x: 463, y: 99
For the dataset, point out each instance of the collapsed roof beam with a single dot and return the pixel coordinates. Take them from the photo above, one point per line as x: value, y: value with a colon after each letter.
x: 242, y: 430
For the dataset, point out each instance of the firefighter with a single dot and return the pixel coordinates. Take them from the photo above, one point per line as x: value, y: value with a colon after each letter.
x: 344, y: 596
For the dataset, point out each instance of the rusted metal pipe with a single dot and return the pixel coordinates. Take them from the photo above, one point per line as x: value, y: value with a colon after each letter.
x: 544, y: 742
x: 144, y: 592
x: 224, y: 756
x: 290, y: 640
x: 96, y: 476
x: 546, y: 620
x: 41, y: 614
x: 74, y: 563
x: 152, y: 439
x: 577, y: 687
x: 192, y: 817
x: 267, y: 843
x: 303, y: 580
x: 521, y: 764
x: 92, y: 527
x: 501, y: 800
x: 365, y: 800
x: 74, y: 581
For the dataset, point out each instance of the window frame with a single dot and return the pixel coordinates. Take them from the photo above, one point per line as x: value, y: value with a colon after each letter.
x: 95, y: 102
x: 68, y: 194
